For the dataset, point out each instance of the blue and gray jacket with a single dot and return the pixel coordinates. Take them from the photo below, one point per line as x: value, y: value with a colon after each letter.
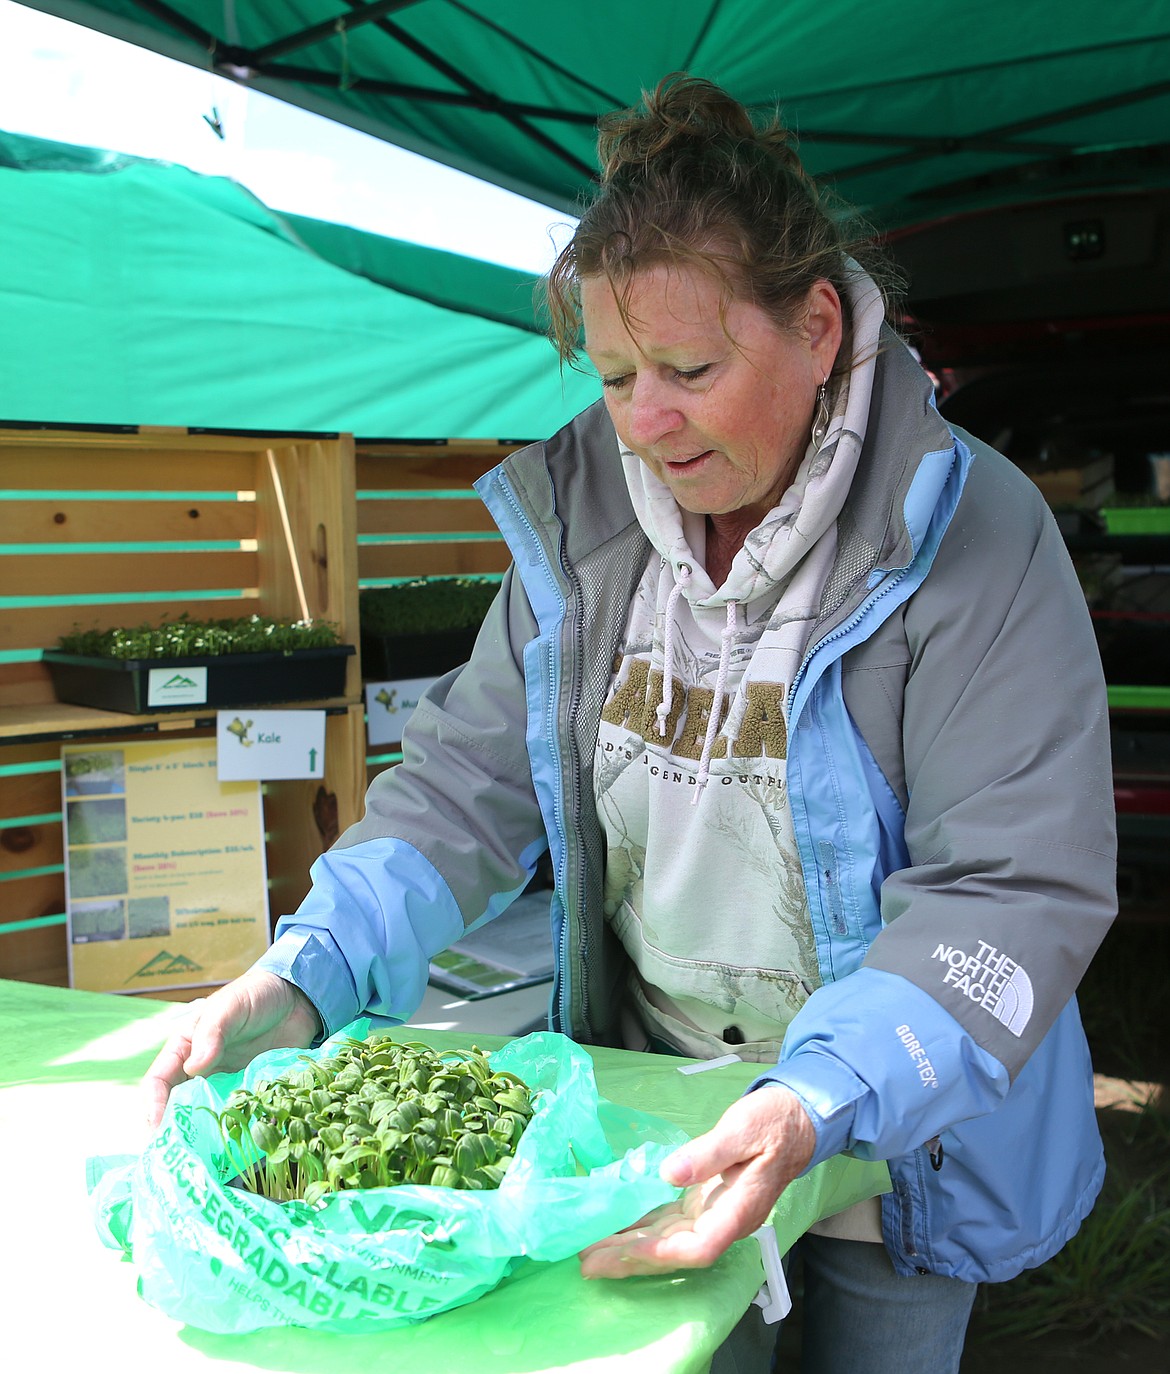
x: 950, y: 780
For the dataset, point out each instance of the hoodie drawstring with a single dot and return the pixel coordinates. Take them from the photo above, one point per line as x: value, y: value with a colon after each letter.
x: 727, y: 637
x: 682, y: 580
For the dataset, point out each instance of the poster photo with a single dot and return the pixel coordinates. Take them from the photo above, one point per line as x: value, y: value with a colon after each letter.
x: 165, y: 874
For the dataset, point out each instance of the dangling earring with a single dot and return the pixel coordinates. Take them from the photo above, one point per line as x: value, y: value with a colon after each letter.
x: 821, y: 419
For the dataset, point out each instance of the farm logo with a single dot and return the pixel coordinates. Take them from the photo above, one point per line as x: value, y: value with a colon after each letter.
x: 165, y: 965
x: 991, y: 980
x: 176, y: 687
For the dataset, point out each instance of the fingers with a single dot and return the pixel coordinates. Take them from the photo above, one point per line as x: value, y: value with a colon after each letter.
x: 733, y: 1175
x: 641, y: 1248
x: 194, y: 1049
x: 205, y: 1046
x: 256, y: 1012
x: 165, y: 1072
x: 683, y: 1243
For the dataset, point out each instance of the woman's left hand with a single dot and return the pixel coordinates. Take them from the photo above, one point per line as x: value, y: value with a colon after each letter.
x: 732, y: 1176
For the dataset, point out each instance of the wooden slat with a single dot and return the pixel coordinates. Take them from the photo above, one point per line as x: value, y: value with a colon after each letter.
x: 175, y: 994
x: 83, y: 522
x: 29, y: 846
x: 62, y: 574
x: 488, y: 451
x: 64, y: 721
x: 35, y: 956
x: 431, y: 560
x: 416, y: 517
x: 23, y: 899
x: 48, y: 466
x: 24, y: 682
x: 137, y: 436
x: 29, y: 794
x: 18, y: 719
x: 40, y: 627
x: 437, y: 470
x: 316, y: 484
x: 20, y: 752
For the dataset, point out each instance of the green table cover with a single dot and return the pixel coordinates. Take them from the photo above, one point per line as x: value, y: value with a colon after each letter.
x: 70, y: 1065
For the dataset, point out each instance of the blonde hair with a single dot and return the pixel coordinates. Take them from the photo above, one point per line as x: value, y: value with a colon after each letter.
x: 689, y: 178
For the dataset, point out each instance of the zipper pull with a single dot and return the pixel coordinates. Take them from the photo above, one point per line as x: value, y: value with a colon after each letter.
x: 935, y: 1149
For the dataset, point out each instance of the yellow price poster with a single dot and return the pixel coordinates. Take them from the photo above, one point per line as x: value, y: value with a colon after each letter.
x: 166, y: 880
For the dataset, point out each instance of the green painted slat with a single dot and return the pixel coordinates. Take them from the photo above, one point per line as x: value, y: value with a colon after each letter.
x: 33, y: 923
x: 383, y: 758
x: 117, y: 598
x: 1135, y: 698
x: 32, y: 872
x: 470, y: 537
x: 20, y: 655
x: 21, y: 770
x: 46, y: 818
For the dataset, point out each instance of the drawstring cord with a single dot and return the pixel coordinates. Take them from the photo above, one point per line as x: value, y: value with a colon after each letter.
x: 727, y: 637
x: 682, y: 580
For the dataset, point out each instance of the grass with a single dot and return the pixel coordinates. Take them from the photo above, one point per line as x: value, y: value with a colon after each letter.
x: 1113, y: 1278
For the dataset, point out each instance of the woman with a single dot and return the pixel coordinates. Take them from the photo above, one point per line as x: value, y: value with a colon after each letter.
x: 799, y: 687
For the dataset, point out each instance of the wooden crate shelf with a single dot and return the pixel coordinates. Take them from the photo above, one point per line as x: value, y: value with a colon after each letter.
x: 133, y: 526
x: 106, y: 527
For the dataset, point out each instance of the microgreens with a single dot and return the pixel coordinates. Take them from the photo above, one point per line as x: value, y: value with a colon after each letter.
x: 373, y: 1114
x: 187, y: 638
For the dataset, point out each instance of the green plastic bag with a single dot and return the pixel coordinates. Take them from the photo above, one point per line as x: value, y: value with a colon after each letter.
x: 226, y: 1260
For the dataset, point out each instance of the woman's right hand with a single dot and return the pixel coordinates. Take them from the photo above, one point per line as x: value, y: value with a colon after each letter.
x: 256, y: 1012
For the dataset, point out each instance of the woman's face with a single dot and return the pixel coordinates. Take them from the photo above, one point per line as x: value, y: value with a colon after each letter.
x: 719, y: 406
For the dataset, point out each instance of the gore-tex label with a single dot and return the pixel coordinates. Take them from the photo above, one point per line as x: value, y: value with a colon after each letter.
x: 921, y: 1060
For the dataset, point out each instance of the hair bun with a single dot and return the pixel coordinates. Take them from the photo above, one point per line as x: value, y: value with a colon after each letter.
x: 681, y: 111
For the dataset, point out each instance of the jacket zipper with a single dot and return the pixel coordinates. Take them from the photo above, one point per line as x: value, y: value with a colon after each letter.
x: 858, y: 616
x: 559, y: 798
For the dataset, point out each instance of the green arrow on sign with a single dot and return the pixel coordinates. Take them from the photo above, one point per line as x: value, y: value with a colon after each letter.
x: 312, y: 760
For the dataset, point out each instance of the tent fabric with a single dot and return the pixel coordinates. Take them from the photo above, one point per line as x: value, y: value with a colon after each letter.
x: 902, y: 107
x: 470, y: 285
x: 140, y: 293
x: 459, y: 283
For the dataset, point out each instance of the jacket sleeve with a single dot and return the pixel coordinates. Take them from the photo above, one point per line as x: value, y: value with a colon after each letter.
x: 1007, y: 877
x: 449, y: 837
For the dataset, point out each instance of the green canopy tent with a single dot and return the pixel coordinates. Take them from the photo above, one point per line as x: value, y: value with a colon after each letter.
x: 904, y: 108
x: 135, y: 292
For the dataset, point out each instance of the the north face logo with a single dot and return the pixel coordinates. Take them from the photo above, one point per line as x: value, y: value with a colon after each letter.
x: 991, y: 980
